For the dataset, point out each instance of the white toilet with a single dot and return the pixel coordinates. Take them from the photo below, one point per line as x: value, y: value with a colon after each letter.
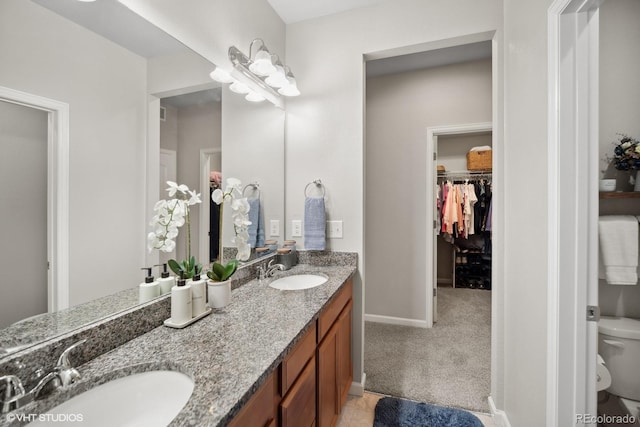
x: 619, y: 346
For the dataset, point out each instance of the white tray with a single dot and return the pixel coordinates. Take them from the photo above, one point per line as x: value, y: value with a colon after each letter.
x: 171, y: 324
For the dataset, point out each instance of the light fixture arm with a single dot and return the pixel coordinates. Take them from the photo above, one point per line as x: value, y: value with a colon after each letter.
x: 264, y: 46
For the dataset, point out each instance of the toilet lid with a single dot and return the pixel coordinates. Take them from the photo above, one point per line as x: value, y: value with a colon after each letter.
x: 621, y: 327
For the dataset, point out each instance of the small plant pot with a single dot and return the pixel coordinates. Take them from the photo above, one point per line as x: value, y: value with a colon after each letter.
x: 608, y: 184
x: 219, y: 293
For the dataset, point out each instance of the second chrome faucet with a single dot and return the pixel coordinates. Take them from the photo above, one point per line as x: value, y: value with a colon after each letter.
x: 12, y: 392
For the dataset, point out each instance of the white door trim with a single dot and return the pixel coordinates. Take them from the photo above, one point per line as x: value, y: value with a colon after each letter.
x: 432, y: 134
x: 572, y: 209
x: 57, y: 192
x: 205, y: 168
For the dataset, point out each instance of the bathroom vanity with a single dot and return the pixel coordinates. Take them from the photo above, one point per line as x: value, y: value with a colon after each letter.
x: 270, y: 357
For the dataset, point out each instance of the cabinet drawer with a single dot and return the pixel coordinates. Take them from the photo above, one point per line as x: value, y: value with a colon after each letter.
x: 296, y: 360
x: 298, y: 408
x: 262, y: 409
x: 331, y: 313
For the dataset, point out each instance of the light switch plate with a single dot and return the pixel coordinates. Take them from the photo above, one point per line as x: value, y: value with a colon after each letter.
x: 296, y: 228
x: 335, y: 229
x: 274, y: 228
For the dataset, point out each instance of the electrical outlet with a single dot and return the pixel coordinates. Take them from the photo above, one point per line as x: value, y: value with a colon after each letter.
x: 296, y: 228
x: 275, y: 228
x: 335, y: 229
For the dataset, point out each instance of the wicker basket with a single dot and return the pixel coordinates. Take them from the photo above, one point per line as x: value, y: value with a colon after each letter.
x: 479, y: 160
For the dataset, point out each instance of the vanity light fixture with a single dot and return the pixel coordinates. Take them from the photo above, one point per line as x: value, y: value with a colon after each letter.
x: 263, y: 77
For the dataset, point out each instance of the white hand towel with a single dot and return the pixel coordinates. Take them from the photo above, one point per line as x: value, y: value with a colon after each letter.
x: 618, y: 235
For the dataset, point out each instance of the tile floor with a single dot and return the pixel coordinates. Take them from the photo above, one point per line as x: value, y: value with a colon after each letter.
x: 358, y: 412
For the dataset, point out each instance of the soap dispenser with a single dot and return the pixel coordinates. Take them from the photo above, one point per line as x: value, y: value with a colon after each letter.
x: 166, y: 281
x: 181, y: 301
x: 198, y: 295
x: 150, y: 289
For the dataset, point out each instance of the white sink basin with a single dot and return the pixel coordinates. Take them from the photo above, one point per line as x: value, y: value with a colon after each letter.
x: 146, y: 399
x: 298, y: 282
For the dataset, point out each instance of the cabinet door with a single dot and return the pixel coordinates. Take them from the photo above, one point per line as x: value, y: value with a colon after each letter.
x: 298, y: 408
x: 345, y: 368
x: 328, y: 408
x: 261, y: 409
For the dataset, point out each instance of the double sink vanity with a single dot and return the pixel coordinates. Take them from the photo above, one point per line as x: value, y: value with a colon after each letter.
x: 272, y: 357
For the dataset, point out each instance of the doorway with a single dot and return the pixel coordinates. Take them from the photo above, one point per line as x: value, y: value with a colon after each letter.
x: 53, y: 119
x: 403, y: 350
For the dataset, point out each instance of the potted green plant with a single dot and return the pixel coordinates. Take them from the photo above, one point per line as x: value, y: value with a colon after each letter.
x: 219, y: 283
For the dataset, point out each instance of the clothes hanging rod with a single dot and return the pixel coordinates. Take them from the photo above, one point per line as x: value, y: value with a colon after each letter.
x: 464, y: 173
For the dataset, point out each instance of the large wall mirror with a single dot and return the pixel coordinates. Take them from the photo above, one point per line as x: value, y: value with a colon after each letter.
x: 139, y: 103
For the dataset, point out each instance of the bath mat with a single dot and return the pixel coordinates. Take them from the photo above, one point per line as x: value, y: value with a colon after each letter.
x: 393, y: 412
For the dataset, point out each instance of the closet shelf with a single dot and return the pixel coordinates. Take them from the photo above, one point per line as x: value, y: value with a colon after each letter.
x: 620, y: 194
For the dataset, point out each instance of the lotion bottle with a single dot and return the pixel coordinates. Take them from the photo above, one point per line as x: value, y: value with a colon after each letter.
x: 166, y: 281
x: 150, y: 289
x: 181, y: 302
x: 198, y: 295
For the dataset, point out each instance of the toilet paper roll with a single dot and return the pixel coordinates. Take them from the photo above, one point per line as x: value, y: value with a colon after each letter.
x: 603, y: 377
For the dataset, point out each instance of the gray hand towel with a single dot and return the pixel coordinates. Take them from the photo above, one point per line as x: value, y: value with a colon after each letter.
x: 314, y: 224
x: 256, y: 229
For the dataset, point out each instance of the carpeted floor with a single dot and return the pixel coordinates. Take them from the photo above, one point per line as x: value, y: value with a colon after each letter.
x: 449, y: 364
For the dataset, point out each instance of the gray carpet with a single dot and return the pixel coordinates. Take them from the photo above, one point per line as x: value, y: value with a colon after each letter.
x: 449, y: 364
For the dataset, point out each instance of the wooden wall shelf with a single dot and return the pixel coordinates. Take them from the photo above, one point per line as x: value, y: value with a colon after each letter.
x: 620, y: 194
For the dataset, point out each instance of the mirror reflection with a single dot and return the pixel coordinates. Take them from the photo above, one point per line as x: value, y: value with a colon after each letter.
x: 114, y: 74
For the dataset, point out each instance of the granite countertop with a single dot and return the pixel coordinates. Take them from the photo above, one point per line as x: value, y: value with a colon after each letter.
x: 228, y: 354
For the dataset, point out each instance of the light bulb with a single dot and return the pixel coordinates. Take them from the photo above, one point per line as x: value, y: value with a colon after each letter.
x: 240, y: 88
x: 262, y: 65
x: 221, y: 75
x: 277, y: 79
x: 291, y: 89
x: 254, y: 97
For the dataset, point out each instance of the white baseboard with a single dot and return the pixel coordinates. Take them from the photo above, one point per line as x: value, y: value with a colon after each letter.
x: 395, y: 320
x: 500, y: 418
x: 357, y: 389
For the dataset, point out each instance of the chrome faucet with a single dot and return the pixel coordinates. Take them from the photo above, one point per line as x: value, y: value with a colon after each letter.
x: 62, y: 376
x: 271, y: 268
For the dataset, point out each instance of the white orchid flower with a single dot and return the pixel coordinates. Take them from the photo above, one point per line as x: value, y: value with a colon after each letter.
x: 233, y: 184
x: 240, y: 205
x: 194, y: 199
x: 174, y: 188
x: 217, y: 196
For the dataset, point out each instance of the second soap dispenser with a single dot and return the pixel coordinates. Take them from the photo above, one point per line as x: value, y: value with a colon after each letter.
x: 181, y: 302
x: 166, y: 281
x: 150, y: 289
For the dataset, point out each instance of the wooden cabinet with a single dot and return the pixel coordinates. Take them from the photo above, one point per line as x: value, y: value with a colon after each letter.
x: 335, y: 370
x: 298, y: 408
x: 262, y: 408
x: 311, y: 384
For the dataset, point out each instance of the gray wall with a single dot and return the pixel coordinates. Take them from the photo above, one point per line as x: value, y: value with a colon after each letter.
x: 23, y: 216
x: 400, y: 108
x: 105, y: 87
x: 619, y: 113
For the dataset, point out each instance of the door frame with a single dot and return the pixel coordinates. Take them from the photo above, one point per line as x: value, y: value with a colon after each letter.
x: 572, y: 209
x: 430, y: 268
x: 57, y: 191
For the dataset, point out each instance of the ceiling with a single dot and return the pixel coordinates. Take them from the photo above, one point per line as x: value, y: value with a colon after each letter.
x: 292, y: 11
x: 429, y: 59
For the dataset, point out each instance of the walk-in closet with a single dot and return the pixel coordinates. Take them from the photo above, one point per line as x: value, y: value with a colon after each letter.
x: 463, y: 212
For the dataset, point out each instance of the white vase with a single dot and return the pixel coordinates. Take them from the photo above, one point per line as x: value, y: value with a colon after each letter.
x: 219, y: 293
x: 636, y: 186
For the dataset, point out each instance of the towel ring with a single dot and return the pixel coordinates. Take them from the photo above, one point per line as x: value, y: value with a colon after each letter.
x: 255, y: 185
x: 318, y: 183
